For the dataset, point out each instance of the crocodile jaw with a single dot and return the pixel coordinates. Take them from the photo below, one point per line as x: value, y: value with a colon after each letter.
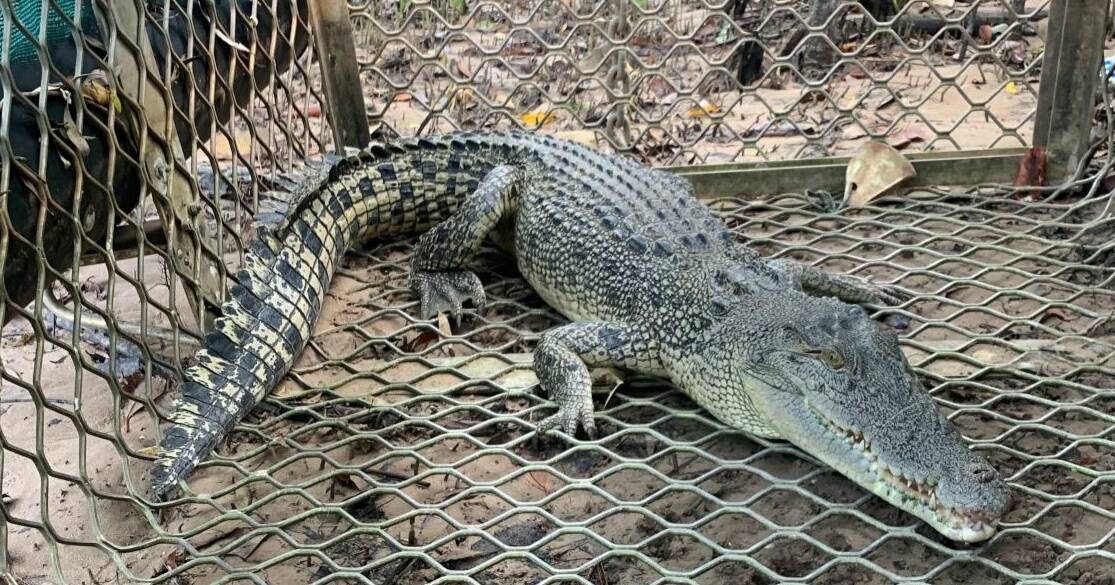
x: 855, y: 459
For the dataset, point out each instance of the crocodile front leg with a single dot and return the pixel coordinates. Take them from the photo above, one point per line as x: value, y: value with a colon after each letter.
x: 849, y: 289
x: 563, y: 358
x: 438, y: 273
x: 817, y: 282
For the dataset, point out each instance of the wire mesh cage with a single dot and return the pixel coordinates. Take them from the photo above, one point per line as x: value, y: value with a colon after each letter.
x: 694, y: 81
x: 401, y: 450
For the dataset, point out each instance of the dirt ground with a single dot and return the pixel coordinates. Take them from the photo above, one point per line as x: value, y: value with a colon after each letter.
x: 401, y: 451
x: 395, y: 436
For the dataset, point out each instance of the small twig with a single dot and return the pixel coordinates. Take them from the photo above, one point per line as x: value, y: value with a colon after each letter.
x: 212, y: 540
x: 248, y: 555
x: 396, y: 476
x: 395, y: 576
x: 598, y: 571
x: 17, y: 400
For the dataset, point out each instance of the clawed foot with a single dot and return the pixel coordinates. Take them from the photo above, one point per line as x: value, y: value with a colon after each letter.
x: 883, y: 295
x: 574, y: 399
x: 440, y: 292
x: 570, y: 416
x: 855, y: 289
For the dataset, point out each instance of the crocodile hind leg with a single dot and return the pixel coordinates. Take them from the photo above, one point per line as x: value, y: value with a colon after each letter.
x: 438, y: 270
x: 564, y: 356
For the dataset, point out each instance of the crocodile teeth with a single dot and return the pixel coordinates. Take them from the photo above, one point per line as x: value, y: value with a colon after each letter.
x: 921, y: 492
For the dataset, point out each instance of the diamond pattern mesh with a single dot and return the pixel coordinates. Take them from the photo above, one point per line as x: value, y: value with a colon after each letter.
x: 401, y: 451
x: 679, y: 82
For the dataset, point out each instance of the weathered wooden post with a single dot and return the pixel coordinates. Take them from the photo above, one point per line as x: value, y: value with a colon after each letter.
x: 340, y: 74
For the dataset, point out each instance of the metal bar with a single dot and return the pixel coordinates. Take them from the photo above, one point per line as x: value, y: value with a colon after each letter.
x: 91, y: 320
x: 965, y: 167
x: 173, y: 189
x: 1070, y: 71
x: 340, y: 73
x: 125, y: 241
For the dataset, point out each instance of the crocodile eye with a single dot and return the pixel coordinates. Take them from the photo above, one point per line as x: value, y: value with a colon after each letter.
x: 834, y: 359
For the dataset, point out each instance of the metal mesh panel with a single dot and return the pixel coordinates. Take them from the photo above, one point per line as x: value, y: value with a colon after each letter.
x: 401, y: 451
x: 89, y: 173
x: 705, y: 81
x: 224, y: 74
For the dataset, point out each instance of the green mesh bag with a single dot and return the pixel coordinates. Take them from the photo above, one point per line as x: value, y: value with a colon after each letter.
x: 29, y: 13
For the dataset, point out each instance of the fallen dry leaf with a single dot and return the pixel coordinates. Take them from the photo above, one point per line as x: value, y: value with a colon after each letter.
x: 459, y: 69
x: 704, y: 108
x: 1061, y: 314
x: 98, y: 92
x: 874, y: 169
x: 222, y: 148
x: 462, y: 98
x: 540, y: 479
x: 853, y: 132
x: 419, y: 342
x: 538, y: 118
x: 986, y: 34
x: 909, y: 135
x: 347, y: 480
x: 878, y: 101
x: 659, y: 87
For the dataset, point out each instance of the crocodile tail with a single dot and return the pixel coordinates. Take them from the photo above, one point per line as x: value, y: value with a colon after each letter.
x: 277, y: 295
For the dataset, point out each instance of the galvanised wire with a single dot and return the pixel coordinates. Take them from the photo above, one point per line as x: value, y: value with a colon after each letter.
x: 402, y: 451
x: 662, y: 79
x: 56, y: 104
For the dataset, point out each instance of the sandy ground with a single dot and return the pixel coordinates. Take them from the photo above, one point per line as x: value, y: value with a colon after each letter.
x: 396, y: 437
x: 393, y: 436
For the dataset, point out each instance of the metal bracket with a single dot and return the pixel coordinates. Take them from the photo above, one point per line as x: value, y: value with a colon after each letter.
x: 174, y: 191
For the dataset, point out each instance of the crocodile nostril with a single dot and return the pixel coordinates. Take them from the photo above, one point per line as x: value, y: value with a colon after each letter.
x: 982, y: 472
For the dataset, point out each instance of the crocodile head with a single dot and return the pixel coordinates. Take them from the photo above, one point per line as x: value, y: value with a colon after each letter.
x: 832, y: 382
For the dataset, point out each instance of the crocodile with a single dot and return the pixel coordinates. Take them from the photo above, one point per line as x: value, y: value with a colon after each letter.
x: 653, y: 283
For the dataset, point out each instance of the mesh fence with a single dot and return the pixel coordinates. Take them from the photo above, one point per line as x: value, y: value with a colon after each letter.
x: 697, y: 81
x: 403, y: 451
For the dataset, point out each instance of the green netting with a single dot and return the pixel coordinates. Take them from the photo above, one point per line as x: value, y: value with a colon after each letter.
x: 21, y: 47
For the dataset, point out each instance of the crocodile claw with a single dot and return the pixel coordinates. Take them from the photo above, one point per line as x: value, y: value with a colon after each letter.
x: 886, y: 295
x: 569, y: 418
x: 574, y: 410
x: 446, y: 292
